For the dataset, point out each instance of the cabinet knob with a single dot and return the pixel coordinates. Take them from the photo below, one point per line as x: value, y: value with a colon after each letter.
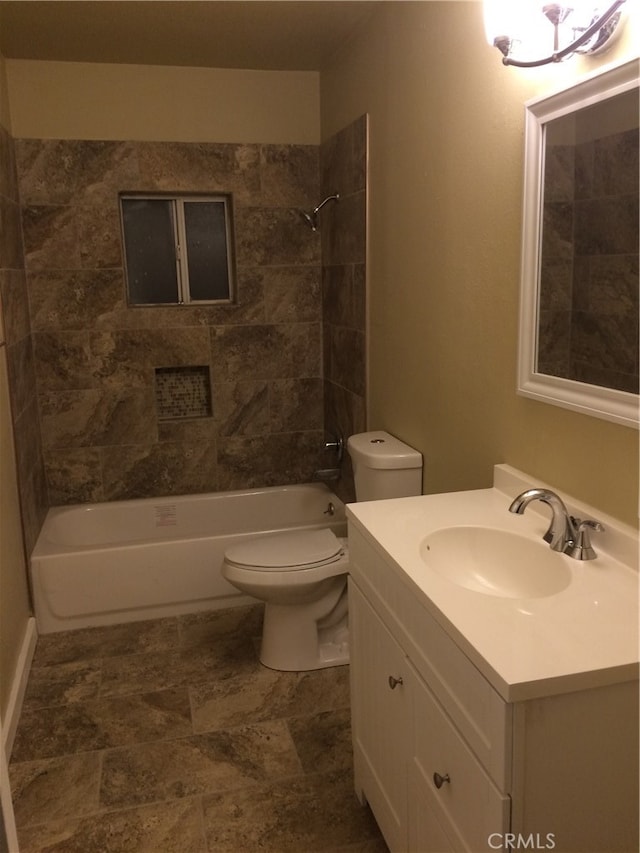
x: 439, y: 780
x: 393, y: 682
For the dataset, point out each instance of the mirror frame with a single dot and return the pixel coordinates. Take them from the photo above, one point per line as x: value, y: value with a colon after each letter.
x: 620, y: 407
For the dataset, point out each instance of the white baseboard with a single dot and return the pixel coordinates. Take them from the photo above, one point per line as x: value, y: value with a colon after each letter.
x: 10, y: 839
x: 19, y: 686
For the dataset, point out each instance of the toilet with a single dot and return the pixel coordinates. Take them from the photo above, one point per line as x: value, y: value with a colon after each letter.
x: 302, y: 575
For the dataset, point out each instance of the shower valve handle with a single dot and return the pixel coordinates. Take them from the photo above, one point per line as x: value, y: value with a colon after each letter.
x: 336, y: 445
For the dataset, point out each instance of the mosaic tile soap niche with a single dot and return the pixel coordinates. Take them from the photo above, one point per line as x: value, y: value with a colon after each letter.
x: 183, y: 392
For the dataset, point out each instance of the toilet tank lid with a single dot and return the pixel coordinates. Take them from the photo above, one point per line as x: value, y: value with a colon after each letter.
x: 380, y: 449
x: 290, y: 550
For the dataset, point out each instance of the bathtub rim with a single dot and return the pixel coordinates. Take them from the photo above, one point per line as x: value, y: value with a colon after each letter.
x: 45, y: 547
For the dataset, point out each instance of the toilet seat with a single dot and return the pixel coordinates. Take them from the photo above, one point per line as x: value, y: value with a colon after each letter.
x: 289, y: 551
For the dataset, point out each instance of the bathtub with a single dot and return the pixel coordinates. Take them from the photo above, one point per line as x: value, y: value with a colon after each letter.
x: 105, y: 563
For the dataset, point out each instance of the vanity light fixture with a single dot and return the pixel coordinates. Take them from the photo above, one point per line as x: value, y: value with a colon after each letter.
x: 521, y: 27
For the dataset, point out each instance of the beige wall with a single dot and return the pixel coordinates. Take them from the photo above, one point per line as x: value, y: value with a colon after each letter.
x: 77, y: 100
x: 445, y: 198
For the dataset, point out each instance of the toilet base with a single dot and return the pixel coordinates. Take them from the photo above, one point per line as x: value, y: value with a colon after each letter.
x: 295, y: 640
x: 334, y: 651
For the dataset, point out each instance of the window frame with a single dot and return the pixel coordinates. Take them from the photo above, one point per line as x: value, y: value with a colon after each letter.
x: 177, y: 203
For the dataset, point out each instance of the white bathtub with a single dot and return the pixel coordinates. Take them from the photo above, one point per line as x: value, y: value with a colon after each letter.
x: 99, y: 564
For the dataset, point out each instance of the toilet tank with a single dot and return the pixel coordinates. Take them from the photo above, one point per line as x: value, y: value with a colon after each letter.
x: 384, y: 466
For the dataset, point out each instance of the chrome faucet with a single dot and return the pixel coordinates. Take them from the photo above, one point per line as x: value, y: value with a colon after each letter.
x: 566, y: 534
x: 337, y: 445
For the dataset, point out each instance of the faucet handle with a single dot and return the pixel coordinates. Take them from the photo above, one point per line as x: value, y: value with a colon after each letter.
x: 580, y: 548
x: 336, y: 444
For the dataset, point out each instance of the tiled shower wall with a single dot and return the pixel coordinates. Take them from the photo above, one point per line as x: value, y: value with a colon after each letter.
x: 96, y: 358
x: 22, y: 379
x: 589, y: 285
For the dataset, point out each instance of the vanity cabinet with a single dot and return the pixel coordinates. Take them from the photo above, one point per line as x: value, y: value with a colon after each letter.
x: 423, y: 783
x: 447, y: 764
x: 381, y: 705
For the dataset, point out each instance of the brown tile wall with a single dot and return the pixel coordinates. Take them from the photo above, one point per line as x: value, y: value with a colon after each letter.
x: 20, y: 364
x: 589, y: 328
x: 344, y: 170
x: 95, y: 358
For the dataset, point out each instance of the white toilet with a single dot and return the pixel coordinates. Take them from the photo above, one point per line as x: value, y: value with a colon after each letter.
x: 302, y: 576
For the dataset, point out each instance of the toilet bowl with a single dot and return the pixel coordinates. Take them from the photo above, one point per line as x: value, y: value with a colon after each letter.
x: 302, y: 579
x: 302, y: 576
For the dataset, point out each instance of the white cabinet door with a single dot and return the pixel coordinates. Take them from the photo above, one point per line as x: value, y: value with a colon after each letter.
x: 451, y: 795
x: 381, y: 721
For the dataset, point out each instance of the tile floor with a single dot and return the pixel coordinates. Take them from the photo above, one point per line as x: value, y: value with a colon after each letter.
x: 170, y: 735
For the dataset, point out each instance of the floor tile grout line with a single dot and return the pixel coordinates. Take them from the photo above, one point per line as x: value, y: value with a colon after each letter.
x: 106, y: 811
x: 223, y: 791
x: 191, y: 710
x: 170, y: 738
x: 75, y: 703
x: 203, y: 823
x: 232, y: 789
x: 208, y: 679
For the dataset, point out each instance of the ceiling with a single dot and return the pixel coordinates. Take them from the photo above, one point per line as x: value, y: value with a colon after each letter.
x: 284, y: 35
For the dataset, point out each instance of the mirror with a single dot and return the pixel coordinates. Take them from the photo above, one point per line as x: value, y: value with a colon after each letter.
x: 578, y: 342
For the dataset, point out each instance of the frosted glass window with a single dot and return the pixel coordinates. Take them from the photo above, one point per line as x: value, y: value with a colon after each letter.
x: 150, y: 250
x: 177, y: 249
x: 207, y: 256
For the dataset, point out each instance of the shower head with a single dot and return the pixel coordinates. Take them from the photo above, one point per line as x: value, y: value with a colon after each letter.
x: 311, y: 219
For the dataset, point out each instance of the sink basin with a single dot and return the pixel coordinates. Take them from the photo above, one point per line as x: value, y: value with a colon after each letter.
x: 495, y: 562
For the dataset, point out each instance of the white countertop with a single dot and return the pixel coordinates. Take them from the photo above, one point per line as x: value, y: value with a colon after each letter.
x: 584, y: 636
